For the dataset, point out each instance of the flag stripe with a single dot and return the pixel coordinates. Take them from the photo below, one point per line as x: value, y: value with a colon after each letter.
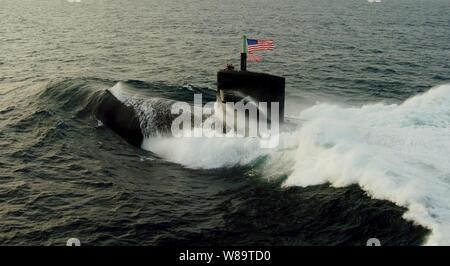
x: 262, y: 48
x: 254, y: 58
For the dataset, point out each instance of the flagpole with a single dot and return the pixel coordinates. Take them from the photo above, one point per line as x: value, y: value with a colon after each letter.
x: 244, y: 44
x: 244, y: 54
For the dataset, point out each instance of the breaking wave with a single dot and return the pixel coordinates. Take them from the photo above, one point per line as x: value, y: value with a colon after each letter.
x: 396, y: 152
x: 393, y: 152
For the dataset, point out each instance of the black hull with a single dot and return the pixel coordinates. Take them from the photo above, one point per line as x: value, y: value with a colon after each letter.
x: 119, y: 117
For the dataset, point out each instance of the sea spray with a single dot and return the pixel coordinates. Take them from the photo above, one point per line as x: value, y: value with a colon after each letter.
x: 396, y: 152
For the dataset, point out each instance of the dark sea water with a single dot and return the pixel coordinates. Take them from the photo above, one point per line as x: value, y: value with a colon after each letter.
x: 366, y: 162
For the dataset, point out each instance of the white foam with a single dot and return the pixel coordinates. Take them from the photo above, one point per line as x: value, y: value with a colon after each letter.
x: 119, y: 90
x: 398, y: 153
x: 207, y: 153
x: 394, y: 152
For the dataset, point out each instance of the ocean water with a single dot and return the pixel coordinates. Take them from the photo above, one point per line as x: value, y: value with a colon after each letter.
x: 369, y: 80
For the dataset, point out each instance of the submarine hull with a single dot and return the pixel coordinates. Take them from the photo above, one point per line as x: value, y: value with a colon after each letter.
x: 232, y: 86
x: 119, y: 117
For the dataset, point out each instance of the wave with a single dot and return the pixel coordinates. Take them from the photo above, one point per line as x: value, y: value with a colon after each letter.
x: 396, y: 152
x: 393, y: 152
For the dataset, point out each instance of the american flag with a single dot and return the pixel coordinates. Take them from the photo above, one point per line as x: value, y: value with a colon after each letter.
x: 259, y: 45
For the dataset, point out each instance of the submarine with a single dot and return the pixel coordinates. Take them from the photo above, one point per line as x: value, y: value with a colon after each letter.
x: 233, y: 86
